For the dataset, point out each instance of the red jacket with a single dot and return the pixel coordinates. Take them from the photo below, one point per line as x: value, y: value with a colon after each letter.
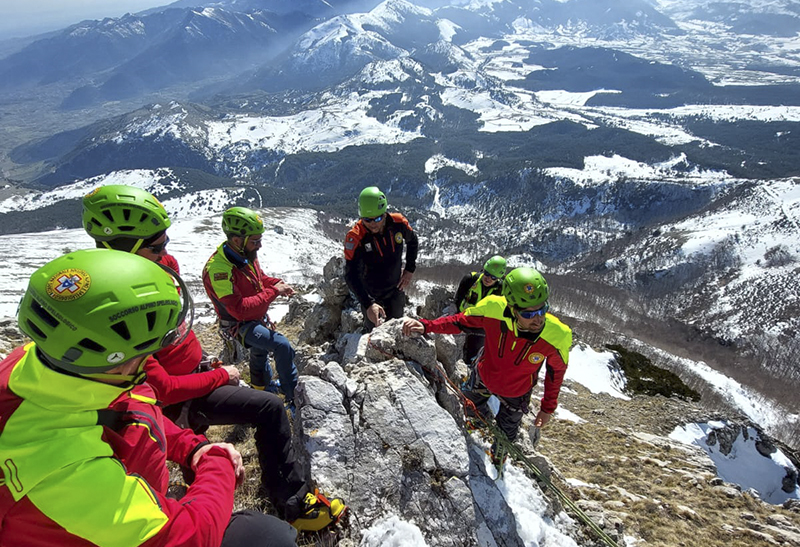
x: 143, y: 439
x: 512, y: 359
x: 171, y: 374
x: 239, y: 289
x: 72, y: 482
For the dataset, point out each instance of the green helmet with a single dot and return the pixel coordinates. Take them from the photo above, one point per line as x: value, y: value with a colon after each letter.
x: 89, y: 311
x: 241, y: 221
x: 371, y: 202
x: 115, y: 211
x: 525, y: 288
x: 496, y: 266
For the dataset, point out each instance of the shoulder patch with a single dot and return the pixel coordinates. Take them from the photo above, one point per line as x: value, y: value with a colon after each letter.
x: 220, y: 276
x: 535, y: 358
x: 398, y: 238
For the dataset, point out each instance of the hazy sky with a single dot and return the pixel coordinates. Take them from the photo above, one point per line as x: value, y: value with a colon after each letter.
x: 26, y: 17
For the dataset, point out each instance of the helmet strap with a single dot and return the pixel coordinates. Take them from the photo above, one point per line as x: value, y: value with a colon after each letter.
x: 137, y: 246
x: 234, y: 247
x: 123, y: 381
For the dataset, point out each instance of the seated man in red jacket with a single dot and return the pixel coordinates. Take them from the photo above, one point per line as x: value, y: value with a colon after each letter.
x: 242, y: 293
x: 84, y: 456
x: 521, y: 337
x: 129, y: 219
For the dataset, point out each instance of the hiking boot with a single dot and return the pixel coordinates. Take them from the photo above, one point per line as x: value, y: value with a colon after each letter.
x: 498, y: 455
x: 318, y: 512
x: 273, y: 387
x: 474, y: 424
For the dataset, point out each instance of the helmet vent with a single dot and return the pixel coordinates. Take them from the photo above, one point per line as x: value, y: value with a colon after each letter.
x: 107, y: 214
x: 122, y: 329
x: 126, y: 214
x: 151, y: 320
x: 146, y: 345
x: 44, y: 314
x: 36, y: 330
x: 91, y: 345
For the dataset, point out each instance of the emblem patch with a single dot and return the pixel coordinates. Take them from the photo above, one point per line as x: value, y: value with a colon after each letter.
x: 368, y: 247
x: 220, y: 276
x: 69, y: 284
x: 116, y: 357
x: 398, y: 238
x: 536, y: 358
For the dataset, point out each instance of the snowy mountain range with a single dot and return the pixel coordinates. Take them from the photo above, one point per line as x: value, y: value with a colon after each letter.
x: 643, y: 150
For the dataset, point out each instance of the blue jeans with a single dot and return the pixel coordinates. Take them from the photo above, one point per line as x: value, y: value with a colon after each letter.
x: 261, y: 341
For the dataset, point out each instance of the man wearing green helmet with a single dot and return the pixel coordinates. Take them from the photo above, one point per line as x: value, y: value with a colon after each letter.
x: 521, y: 337
x: 84, y: 446
x: 130, y: 219
x: 373, y: 251
x: 242, y: 293
x: 473, y: 288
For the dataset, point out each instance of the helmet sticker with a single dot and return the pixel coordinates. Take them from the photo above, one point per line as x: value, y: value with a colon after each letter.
x: 69, y: 284
x: 93, y: 192
x: 108, y: 230
x: 398, y: 238
x: 529, y: 288
x: 115, y: 357
x: 536, y: 358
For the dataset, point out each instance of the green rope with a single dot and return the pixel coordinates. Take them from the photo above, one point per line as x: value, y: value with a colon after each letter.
x: 516, y: 453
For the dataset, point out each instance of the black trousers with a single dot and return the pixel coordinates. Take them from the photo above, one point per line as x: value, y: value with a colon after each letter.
x: 512, y: 409
x: 254, y: 529
x: 281, y: 475
x: 472, y: 346
x: 392, y: 303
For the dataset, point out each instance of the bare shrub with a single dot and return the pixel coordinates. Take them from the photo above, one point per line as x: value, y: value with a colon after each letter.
x: 777, y: 256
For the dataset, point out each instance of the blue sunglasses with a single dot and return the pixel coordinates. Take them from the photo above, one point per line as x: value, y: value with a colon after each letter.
x: 530, y: 314
x: 376, y: 219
